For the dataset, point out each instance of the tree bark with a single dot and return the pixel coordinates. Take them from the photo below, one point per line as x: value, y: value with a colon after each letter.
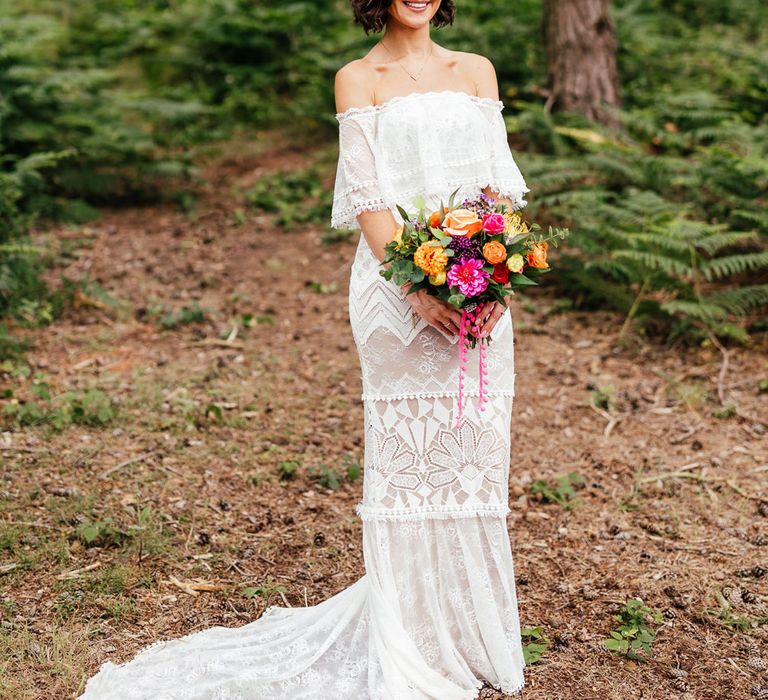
x: 581, y: 58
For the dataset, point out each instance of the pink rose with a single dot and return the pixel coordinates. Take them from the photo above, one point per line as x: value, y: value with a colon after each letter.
x: 494, y: 222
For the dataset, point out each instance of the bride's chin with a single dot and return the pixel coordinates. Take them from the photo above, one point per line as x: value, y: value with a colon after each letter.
x: 412, y: 17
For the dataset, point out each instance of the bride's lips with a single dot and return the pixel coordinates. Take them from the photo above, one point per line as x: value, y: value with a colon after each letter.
x: 416, y: 6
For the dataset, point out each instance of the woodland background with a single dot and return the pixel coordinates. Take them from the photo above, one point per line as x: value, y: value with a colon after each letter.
x: 154, y: 478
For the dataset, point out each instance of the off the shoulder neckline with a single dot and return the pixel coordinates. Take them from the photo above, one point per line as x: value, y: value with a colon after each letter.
x: 489, y: 101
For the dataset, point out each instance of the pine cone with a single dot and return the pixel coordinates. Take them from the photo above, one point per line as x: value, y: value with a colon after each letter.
x: 762, y: 508
x: 757, y: 663
x: 749, y: 598
x: 562, y: 640
x: 732, y: 595
x: 679, y: 679
x: 760, y: 540
x: 760, y: 692
x: 754, y: 572
x: 751, y: 649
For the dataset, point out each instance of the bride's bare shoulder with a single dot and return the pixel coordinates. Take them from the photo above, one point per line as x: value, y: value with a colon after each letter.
x: 353, y: 85
x: 480, y: 70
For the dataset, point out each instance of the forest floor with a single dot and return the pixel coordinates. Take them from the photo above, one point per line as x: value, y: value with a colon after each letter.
x: 223, y: 461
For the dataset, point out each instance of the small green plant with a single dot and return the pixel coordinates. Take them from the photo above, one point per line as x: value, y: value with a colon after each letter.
x: 352, y: 467
x: 724, y: 412
x: 326, y: 476
x: 102, y: 533
x: 295, y: 197
x: 331, y: 478
x: 535, y: 643
x: 636, y: 631
x: 92, y: 408
x: 604, y: 397
x: 148, y: 534
x: 562, y: 491
x: 185, y: 316
x: 266, y: 590
x: 286, y: 470
x: 322, y: 288
x: 726, y: 615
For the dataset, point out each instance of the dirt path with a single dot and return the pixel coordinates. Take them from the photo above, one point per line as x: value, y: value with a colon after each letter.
x: 213, y: 472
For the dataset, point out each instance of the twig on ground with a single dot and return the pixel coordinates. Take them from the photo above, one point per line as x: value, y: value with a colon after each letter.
x: 77, y: 572
x: 127, y: 462
x: 611, y: 421
x: 684, y: 436
x: 193, y: 587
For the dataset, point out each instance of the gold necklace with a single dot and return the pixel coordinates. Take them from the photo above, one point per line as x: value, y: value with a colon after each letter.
x: 411, y: 75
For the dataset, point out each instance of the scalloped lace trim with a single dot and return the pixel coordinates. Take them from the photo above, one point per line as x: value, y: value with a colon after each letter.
x: 347, y: 218
x: 434, y: 395
x: 440, y: 512
x: 372, y: 109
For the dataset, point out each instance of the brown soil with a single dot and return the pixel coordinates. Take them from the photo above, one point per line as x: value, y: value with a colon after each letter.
x: 670, y: 511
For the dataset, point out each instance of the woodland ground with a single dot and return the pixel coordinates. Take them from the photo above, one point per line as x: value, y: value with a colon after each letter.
x: 174, y: 516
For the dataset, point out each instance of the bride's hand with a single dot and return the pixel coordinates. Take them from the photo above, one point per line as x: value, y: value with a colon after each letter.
x: 435, y: 312
x: 491, y: 315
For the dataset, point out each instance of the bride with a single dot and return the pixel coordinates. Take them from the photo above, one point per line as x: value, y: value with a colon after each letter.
x: 435, y: 615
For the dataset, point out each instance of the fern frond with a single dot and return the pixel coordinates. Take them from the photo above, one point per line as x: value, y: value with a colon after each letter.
x: 660, y: 241
x: 733, y: 264
x: 756, y: 217
x: 704, y: 311
x: 652, y: 261
x: 740, y: 300
x: 716, y: 242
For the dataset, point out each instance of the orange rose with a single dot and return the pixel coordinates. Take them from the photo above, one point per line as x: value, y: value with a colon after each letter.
x: 494, y: 252
x: 434, y: 219
x: 462, y: 222
x: 538, y: 256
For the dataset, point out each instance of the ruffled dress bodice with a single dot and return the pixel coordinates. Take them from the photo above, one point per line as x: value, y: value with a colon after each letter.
x: 424, y: 143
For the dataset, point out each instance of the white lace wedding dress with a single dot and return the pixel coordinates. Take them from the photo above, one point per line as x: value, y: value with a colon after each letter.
x: 435, y: 613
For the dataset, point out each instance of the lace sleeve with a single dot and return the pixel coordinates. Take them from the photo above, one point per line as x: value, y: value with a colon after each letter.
x: 357, y: 187
x: 506, y: 177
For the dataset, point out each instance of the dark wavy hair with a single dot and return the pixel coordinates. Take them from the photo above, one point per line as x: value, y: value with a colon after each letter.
x: 372, y: 14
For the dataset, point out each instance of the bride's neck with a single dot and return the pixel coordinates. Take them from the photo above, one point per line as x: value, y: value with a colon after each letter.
x: 404, y: 41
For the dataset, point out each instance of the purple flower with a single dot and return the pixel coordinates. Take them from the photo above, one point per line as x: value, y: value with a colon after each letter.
x: 481, y: 204
x: 469, y: 277
x: 465, y: 249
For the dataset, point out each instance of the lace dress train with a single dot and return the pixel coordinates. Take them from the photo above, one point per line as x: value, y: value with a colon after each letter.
x: 435, y: 613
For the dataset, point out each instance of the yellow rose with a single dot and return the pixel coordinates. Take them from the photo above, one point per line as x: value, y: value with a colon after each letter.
x: 515, y: 262
x: 462, y: 222
x: 437, y: 279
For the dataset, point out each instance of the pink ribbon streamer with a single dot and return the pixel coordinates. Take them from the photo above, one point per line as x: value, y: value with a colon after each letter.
x: 470, y: 320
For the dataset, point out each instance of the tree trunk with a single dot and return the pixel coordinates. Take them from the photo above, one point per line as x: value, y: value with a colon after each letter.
x: 581, y: 57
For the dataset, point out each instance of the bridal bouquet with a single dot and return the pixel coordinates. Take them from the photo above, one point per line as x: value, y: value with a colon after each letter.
x: 469, y: 256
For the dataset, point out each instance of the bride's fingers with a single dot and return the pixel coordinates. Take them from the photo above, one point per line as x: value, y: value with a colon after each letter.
x: 493, y: 318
